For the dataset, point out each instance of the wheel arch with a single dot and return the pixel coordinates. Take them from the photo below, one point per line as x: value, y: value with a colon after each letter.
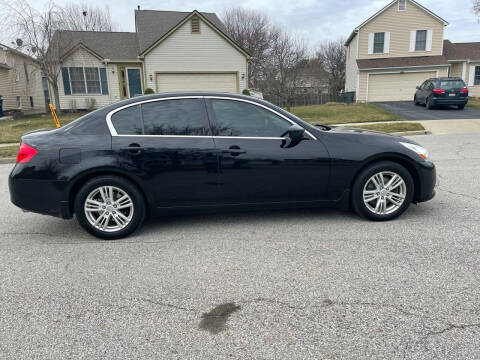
x: 81, y: 179
x: 400, y: 160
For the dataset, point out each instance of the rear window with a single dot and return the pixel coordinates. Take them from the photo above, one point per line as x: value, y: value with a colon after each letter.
x: 128, y: 121
x: 451, y: 84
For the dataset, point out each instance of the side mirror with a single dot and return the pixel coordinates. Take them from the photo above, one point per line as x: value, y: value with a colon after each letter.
x: 417, y: 87
x: 296, y: 132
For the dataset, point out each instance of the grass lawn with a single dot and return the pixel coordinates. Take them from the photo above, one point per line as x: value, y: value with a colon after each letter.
x: 391, y: 127
x: 342, y: 113
x: 474, y: 103
x: 9, y: 151
x: 12, y: 130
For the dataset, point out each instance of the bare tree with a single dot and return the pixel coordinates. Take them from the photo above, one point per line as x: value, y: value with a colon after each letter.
x: 476, y: 7
x: 37, y: 32
x: 252, y: 30
x: 85, y: 17
x: 332, y: 57
x: 288, y: 57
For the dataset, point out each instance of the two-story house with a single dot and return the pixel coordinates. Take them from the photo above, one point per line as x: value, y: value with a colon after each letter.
x: 20, y: 82
x: 169, y: 51
x: 399, y: 47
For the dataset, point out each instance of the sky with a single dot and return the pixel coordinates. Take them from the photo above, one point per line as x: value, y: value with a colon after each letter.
x: 314, y: 20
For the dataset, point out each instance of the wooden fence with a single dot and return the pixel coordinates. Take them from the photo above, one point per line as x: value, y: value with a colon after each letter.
x: 304, y: 99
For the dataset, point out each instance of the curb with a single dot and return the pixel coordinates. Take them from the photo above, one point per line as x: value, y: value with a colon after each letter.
x: 408, y: 133
x: 8, y: 160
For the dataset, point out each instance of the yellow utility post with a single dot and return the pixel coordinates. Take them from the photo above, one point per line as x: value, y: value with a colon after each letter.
x: 52, y: 109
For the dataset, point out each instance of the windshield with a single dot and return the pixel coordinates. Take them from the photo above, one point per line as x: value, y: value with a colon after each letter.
x: 451, y: 84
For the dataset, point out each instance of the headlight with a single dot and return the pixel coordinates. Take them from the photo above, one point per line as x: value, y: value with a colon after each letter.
x: 419, y: 150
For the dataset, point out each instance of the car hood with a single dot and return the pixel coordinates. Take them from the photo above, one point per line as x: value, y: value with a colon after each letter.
x: 370, y: 134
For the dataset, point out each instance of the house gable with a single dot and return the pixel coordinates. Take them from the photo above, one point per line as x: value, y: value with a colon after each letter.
x: 205, y: 21
x: 204, y: 52
x: 398, y: 26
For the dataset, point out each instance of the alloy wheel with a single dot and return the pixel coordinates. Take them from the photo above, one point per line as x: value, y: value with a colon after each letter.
x: 108, y: 208
x: 384, y: 193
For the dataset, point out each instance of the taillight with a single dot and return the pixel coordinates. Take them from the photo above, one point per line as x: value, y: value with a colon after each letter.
x: 464, y: 91
x: 26, y: 153
x: 438, y: 91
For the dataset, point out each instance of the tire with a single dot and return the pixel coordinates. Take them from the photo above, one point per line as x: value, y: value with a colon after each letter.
x: 415, y: 102
x: 428, y: 104
x: 132, y: 207
x: 461, y: 107
x: 364, y: 182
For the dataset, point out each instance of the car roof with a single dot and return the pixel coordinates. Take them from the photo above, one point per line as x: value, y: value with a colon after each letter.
x: 446, y: 78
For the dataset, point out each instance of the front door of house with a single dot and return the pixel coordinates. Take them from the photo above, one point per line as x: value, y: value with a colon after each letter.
x: 134, y: 82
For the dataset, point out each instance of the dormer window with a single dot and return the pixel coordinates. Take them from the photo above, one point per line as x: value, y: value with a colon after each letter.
x: 195, y: 25
x: 402, y: 5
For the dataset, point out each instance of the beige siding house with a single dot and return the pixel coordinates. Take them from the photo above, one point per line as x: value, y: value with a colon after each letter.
x: 401, y: 46
x: 20, y: 83
x: 169, y: 51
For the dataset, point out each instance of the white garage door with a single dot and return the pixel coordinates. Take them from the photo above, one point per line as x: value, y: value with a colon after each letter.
x: 221, y: 82
x: 396, y: 87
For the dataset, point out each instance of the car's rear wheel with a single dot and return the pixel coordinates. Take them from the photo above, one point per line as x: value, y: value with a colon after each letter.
x: 461, y: 107
x: 382, y: 191
x: 428, y: 103
x: 109, y: 207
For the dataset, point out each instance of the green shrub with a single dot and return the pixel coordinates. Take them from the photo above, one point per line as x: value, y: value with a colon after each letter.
x: 246, y: 92
x: 148, y: 91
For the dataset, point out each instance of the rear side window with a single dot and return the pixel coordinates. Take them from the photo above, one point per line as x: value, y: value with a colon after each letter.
x: 128, y: 121
x: 452, y: 84
x: 175, y: 117
x: 238, y: 118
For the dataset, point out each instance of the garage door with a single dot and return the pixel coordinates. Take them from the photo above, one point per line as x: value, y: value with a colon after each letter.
x: 396, y: 87
x: 197, y: 82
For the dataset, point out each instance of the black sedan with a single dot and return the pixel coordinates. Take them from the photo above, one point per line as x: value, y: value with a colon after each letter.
x: 197, y: 152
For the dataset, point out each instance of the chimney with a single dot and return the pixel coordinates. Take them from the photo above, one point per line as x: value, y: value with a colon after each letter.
x: 138, y: 7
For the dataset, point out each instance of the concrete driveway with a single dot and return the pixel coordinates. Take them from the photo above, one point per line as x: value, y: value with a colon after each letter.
x: 408, y: 111
x: 306, y: 284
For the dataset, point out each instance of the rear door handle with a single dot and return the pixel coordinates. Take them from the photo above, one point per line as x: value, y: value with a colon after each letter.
x: 134, y: 148
x: 234, y: 150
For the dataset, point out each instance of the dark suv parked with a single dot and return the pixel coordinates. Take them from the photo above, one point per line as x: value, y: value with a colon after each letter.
x: 442, y: 91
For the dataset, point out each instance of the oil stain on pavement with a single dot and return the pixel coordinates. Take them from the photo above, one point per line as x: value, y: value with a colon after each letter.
x: 215, y: 321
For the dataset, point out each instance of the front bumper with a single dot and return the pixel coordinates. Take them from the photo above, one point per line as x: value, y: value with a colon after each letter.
x: 428, y: 179
x: 39, y: 196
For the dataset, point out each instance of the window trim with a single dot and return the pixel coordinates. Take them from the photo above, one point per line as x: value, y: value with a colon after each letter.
x: 405, y: 2
x: 84, y: 81
x: 475, y: 81
x: 19, y: 103
x: 113, y: 132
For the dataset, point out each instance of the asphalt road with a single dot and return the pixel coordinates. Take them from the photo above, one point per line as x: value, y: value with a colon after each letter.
x: 408, y: 111
x: 316, y: 284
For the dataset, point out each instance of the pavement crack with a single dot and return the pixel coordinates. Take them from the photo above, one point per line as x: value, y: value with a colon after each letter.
x: 451, y: 327
x: 165, y: 304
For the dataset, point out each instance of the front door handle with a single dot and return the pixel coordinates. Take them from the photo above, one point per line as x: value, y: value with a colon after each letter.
x: 234, y: 150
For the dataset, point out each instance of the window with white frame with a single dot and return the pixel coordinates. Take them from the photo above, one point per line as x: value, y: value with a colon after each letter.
x: 476, y: 79
x: 19, y: 102
x: 402, y: 5
x: 421, y: 40
x: 85, y: 80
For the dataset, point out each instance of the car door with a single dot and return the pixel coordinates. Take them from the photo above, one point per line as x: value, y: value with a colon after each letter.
x: 421, y: 94
x: 256, y: 163
x: 167, y: 144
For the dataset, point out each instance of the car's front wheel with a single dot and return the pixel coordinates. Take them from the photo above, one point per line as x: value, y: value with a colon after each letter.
x: 415, y: 102
x: 428, y: 103
x: 382, y: 191
x: 109, y: 207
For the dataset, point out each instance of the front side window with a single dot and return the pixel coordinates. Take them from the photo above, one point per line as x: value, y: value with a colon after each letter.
x: 175, y: 117
x: 378, y: 43
x: 128, y: 121
x: 237, y: 118
x: 421, y: 40
x: 477, y: 76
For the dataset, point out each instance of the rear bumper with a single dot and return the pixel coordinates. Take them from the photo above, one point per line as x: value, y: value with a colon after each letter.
x: 39, y: 196
x: 447, y: 101
x: 428, y: 179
